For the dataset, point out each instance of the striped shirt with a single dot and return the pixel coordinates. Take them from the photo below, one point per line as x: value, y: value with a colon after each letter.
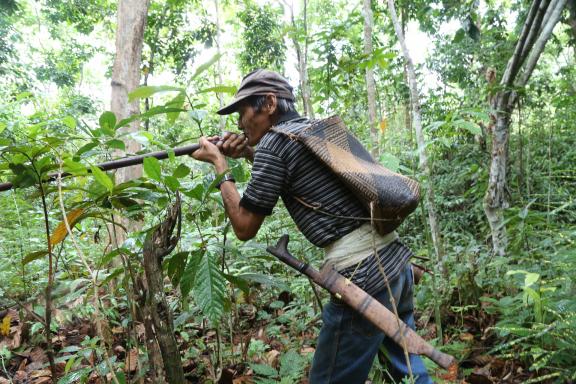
x: 285, y: 168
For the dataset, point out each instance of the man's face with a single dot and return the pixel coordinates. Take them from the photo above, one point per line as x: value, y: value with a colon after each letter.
x: 253, y: 124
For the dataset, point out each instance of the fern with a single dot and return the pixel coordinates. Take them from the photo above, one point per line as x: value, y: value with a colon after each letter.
x: 292, y: 364
x: 210, y: 286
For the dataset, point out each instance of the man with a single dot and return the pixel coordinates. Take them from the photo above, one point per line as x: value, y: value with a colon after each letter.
x: 284, y: 168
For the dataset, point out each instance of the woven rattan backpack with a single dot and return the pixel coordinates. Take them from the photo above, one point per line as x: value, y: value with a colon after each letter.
x: 387, y: 195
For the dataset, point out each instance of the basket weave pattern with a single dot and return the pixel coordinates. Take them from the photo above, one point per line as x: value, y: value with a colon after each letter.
x: 389, y: 196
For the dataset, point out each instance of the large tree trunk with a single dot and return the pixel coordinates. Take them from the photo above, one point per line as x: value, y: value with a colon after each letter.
x: 537, y: 29
x: 125, y: 78
x: 370, y: 83
x: 126, y: 72
x: 417, y: 121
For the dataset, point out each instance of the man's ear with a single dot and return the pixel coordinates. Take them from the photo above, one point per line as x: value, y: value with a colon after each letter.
x: 271, y: 104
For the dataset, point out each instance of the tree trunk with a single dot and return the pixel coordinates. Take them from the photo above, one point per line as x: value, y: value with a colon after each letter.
x: 370, y: 83
x: 222, y: 119
x: 157, y: 245
x: 125, y: 78
x: 302, y: 56
x: 537, y: 29
x: 417, y: 121
x: 571, y: 21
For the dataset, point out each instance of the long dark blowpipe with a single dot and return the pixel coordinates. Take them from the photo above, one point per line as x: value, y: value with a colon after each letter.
x: 122, y: 163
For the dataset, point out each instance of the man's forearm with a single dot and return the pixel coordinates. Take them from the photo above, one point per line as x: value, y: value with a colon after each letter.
x: 245, y: 223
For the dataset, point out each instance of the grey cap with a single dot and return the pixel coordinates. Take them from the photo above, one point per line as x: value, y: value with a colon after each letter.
x: 257, y: 83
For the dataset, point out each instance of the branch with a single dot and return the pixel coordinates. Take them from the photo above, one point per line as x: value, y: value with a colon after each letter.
x: 515, y: 61
x: 554, y: 15
x: 535, y: 29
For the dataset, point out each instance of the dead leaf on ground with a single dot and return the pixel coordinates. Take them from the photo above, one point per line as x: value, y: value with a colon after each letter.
x: 41, y: 377
x: 451, y: 373
x: 272, y: 358
x: 131, y: 360
x: 39, y: 373
x: 42, y: 380
x: 466, y: 337
x: 306, y: 350
x: 140, y: 330
x: 20, y: 377
x: 37, y: 355
x: 4, y: 380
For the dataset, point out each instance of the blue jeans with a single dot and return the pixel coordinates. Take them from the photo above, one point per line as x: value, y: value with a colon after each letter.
x: 348, y: 343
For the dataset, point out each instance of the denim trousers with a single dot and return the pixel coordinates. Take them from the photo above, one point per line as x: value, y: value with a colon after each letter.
x: 348, y: 343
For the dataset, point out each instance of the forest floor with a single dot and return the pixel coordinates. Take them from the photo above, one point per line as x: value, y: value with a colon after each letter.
x: 76, y: 352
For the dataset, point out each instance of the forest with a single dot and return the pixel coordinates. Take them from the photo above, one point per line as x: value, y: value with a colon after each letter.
x: 135, y: 275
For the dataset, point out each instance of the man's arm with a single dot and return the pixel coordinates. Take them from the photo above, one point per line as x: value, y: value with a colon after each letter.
x: 244, y: 222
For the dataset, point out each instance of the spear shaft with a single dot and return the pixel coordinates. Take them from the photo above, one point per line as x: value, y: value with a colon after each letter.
x: 123, y: 162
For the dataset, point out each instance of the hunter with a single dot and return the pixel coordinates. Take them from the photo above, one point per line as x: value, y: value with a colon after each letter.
x: 281, y: 167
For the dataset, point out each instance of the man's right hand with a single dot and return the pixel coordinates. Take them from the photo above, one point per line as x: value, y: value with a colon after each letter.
x: 235, y: 146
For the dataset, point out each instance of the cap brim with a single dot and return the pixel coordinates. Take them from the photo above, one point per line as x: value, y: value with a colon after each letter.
x: 232, y: 106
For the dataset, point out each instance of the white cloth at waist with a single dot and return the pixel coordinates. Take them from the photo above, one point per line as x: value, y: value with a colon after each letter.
x: 356, y: 246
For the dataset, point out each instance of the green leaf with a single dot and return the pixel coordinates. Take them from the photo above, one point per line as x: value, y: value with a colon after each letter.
x: 87, y: 147
x: 210, y: 287
x: 189, y: 275
x: 69, y: 364
x: 76, y: 376
x: 178, y: 103
x: 205, y: 66
x: 69, y: 122
x: 460, y: 34
x: 264, y: 280
x: 531, y: 278
x: 152, y: 168
x: 107, y: 258
x: 181, y: 171
x: 24, y: 95
x: 176, y: 266
x: 238, y: 282
x: 34, y: 256
x: 115, y: 273
x: 195, y: 193
x: 149, y: 90
x: 70, y: 349
x: 102, y: 178
x: 2, y: 126
x: 471, y: 127
x: 107, y: 122
x: 75, y: 168
x: 172, y: 183
x: 264, y: 370
x: 291, y: 364
x: 390, y: 161
x: 116, y: 144
x: 230, y: 89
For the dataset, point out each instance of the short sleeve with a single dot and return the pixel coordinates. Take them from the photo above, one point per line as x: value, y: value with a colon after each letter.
x: 269, y: 175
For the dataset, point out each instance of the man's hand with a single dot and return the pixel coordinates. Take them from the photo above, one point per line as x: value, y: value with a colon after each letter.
x: 210, y: 153
x: 235, y: 146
